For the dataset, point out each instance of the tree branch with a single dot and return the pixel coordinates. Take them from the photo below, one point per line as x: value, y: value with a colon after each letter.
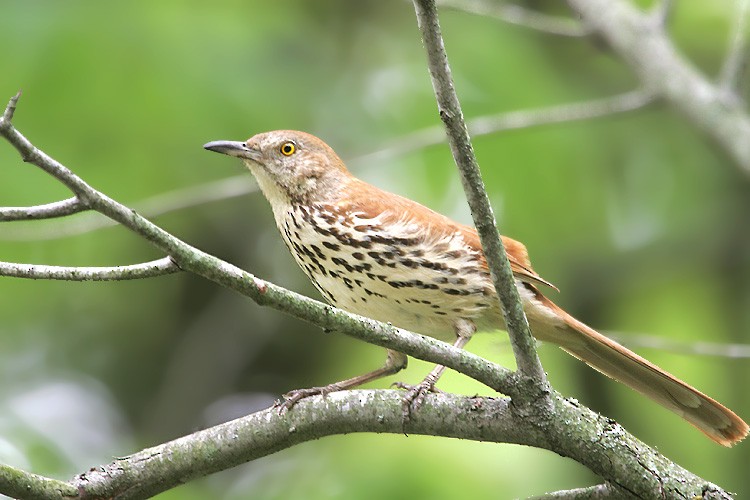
x: 150, y: 269
x: 48, y: 211
x: 597, y: 492
x: 695, y: 348
x: 520, y: 16
x: 10, y: 110
x: 562, y: 113
x: 645, y: 47
x: 17, y: 483
x: 155, y: 206
x: 463, y: 153
x: 515, y: 120
x: 661, y: 11
x: 600, y: 444
x: 735, y: 60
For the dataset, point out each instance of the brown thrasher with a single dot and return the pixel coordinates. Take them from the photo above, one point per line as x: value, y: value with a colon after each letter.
x: 389, y: 258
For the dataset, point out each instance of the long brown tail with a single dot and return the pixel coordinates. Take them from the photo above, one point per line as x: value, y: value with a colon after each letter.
x: 610, y: 358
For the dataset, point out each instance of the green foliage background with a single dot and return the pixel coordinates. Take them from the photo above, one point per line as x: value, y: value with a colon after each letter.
x: 638, y: 219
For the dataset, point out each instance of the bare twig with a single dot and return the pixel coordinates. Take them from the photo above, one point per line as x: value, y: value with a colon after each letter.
x: 450, y: 112
x: 48, y: 211
x: 729, y: 351
x: 661, y: 12
x: 734, y: 62
x: 151, y: 269
x: 563, y: 113
x: 155, y: 206
x: 515, y: 14
x: 10, y: 109
x: 515, y: 120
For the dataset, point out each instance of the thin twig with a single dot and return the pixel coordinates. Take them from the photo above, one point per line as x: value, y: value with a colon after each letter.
x: 563, y: 113
x: 10, y: 109
x: 729, y: 351
x: 48, y: 211
x: 155, y: 206
x: 450, y: 112
x: 734, y: 62
x: 150, y: 269
x: 520, y: 16
x: 661, y: 12
x: 515, y: 120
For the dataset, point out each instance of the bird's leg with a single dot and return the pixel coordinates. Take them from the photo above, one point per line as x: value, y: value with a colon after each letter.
x: 415, y: 394
x: 394, y: 363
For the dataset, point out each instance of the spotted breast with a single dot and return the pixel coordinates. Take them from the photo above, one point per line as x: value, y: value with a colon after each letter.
x: 385, y: 266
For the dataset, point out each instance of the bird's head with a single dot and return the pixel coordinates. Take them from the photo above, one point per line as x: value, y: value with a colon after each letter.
x: 290, y: 166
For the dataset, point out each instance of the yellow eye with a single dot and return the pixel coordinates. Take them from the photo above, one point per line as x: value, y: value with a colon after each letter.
x: 288, y: 148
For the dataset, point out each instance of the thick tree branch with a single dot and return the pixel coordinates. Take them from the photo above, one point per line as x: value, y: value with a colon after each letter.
x: 646, y: 48
x: 17, y: 483
x: 600, y: 491
x: 150, y: 269
x: 598, y: 443
x: 463, y: 153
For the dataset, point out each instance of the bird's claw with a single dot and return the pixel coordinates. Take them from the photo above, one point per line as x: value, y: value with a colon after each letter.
x: 293, y: 397
x: 414, y: 397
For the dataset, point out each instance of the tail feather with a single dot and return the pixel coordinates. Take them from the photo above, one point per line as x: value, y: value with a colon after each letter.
x: 610, y: 358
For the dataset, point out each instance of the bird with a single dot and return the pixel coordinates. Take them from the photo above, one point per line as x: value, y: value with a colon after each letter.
x: 387, y: 257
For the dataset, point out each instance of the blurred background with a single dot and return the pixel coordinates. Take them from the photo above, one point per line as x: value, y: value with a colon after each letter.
x: 639, y: 220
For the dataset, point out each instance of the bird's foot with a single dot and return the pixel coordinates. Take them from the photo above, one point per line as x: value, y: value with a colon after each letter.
x: 414, y: 397
x: 291, y: 398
